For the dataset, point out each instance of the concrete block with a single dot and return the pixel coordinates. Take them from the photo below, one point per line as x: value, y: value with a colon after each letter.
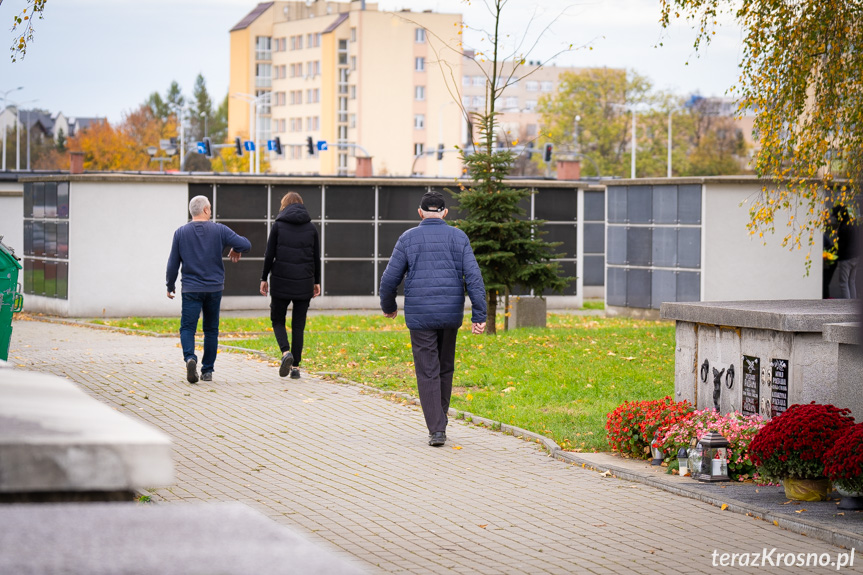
x: 135, y: 539
x: 527, y: 312
x: 54, y: 437
x: 779, y: 315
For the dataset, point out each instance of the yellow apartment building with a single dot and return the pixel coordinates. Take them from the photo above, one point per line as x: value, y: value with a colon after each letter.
x: 365, y: 82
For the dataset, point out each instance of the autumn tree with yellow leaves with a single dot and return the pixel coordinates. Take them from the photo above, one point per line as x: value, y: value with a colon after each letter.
x: 802, y: 75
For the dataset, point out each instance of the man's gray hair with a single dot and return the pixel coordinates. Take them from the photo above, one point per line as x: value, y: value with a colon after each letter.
x: 197, y: 205
x: 432, y: 214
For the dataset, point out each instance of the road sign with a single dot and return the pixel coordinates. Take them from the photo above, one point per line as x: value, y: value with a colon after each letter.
x: 202, y: 149
x: 322, y: 145
x: 250, y: 146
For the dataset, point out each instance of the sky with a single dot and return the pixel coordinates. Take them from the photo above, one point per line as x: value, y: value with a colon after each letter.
x: 104, y: 57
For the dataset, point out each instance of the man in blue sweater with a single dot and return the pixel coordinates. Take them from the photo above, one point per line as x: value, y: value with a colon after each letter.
x: 198, y: 246
x: 437, y: 264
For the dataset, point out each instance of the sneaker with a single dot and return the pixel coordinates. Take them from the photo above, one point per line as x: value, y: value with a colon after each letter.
x: 192, y: 371
x: 207, y: 376
x: 285, y: 367
x: 437, y: 438
x: 295, y: 373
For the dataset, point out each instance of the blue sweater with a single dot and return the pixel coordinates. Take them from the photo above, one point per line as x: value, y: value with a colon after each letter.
x: 199, y: 246
x: 437, y: 265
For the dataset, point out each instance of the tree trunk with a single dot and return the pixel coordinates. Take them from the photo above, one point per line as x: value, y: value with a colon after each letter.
x: 490, y: 327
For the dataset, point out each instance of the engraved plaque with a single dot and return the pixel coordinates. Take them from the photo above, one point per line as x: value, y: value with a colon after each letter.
x: 751, y: 384
x: 779, y: 393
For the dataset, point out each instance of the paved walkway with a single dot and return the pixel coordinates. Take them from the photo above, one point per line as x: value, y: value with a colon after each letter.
x: 353, y: 471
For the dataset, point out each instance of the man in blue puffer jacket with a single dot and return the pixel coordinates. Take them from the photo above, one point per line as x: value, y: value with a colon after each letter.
x: 437, y: 264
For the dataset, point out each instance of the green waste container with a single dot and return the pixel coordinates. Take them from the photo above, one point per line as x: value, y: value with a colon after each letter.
x: 11, y: 301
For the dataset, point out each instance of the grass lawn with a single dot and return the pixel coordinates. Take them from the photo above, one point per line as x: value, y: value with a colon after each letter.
x: 561, y: 381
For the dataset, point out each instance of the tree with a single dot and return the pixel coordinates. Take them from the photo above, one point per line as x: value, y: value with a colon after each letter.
x: 509, y: 250
x: 705, y: 142
x: 22, y: 27
x: 200, y: 110
x: 218, y: 127
x: 802, y: 74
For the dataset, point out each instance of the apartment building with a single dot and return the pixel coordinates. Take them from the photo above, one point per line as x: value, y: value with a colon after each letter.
x: 517, y: 105
x: 365, y: 82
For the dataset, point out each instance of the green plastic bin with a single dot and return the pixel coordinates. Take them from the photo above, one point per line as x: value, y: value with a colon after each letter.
x: 11, y: 300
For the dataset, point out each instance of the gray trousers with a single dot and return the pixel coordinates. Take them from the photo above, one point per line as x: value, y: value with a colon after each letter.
x: 434, y: 363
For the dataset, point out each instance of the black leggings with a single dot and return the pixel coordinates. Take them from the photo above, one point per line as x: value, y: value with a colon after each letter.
x: 278, y: 312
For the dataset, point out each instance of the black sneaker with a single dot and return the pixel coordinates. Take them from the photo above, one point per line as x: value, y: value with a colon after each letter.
x: 207, y: 376
x: 295, y: 373
x: 287, y: 362
x: 437, y: 439
x: 192, y: 371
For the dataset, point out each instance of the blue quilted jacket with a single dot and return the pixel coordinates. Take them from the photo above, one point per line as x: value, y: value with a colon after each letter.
x: 437, y: 265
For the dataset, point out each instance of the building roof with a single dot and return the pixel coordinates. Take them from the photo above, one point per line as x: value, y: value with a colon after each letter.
x: 341, y: 18
x: 252, y: 16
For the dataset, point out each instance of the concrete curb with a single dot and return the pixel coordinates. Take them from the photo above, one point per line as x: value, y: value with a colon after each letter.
x: 837, y: 537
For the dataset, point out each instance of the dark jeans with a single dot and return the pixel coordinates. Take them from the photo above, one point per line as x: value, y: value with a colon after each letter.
x: 434, y: 363
x: 278, y: 312
x: 193, y: 304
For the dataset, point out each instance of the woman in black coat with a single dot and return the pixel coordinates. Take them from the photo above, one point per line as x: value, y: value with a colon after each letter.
x: 293, y: 265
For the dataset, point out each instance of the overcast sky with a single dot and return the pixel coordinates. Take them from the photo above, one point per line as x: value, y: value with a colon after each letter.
x: 104, y: 57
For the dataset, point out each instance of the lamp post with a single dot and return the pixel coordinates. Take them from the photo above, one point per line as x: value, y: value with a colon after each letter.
x: 204, y: 115
x: 670, y: 113
x: 18, y: 132
x: 6, y: 93
x: 254, y: 101
x: 630, y: 108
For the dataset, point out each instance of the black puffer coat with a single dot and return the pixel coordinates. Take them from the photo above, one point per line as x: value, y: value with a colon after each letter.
x: 293, y: 258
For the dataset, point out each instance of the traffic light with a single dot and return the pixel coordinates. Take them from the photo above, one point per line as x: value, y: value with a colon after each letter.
x: 547, y: 153
x: 310, y: 145
x: 277, y: 146
x: 440, y: 152
x: 238, y: 145
x: 206, y: 148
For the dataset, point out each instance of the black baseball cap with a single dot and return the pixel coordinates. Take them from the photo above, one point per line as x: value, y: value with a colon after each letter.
x: 432, y: 202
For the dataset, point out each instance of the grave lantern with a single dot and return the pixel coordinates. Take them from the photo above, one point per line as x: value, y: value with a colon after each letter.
x: 713, y: 453
x: 655, y: 451
x: 683, y: 461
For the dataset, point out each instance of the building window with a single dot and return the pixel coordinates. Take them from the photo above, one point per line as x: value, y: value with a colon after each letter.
x: 419, y: 149
x: 511, y: 102
x: 420, y: 64
x: 419, y: 93
x: 419, y: 121
x: 466, y: 81
x: 465, y: 100
x: 343, y: 133
x: 263, y: 48
x: 263, y: 75
x: 265, y: 102
x: 316, y: 125
x: 343, y: 104
x: 352, y: 121
x: 353, y: 62
x: 532, y: 86
x: 353, y: 34
x: 547, y: 86
x: 478, y: 102
x: 479, y: 80
x: 353, y: 92
x: 530, y: 105
x: 420, y: 36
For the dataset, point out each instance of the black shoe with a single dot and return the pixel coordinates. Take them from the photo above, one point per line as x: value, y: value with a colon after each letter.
x: 437, y: 438
x: 207, y: 376
x: 295, y: 373
x: 192, y: 371
x: 285, y: 367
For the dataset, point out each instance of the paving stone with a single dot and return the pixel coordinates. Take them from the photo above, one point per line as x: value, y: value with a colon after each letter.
x: 354, y: 470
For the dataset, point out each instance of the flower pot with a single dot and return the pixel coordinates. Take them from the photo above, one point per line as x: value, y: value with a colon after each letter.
x: 806, y: 489
x: 851, y: 500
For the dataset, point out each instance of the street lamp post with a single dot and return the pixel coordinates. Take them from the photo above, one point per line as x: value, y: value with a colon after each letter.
x: 631, y: 109
x: 670, y: 113
x: 6, y: 93
x: 254, y: 102
x: 204, y: 115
